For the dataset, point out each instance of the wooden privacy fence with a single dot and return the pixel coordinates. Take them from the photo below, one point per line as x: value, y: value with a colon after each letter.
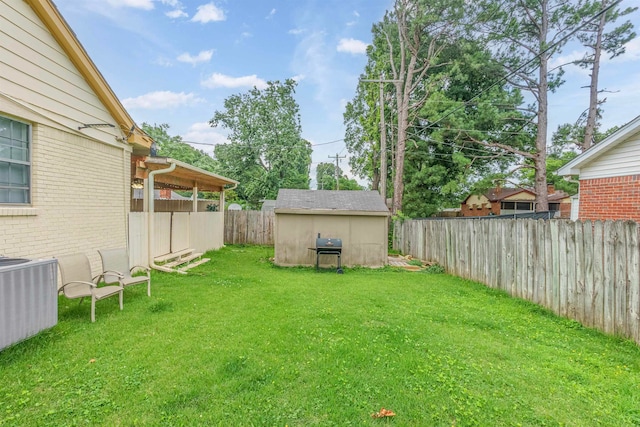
x: 586, y: 271
x: 249, y: 227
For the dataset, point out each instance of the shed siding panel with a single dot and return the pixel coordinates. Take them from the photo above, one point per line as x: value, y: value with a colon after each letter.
x: 364, y: 239
x: 619, y: 161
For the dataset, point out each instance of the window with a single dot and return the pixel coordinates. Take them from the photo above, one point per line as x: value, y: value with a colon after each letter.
x: 524, y: 206
x: 508, y: 206
x: 15, y: 162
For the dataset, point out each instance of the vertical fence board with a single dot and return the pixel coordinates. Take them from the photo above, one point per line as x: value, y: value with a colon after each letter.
x: 620, y: 280
x: 555, y: 259
x: 531, y: 259
x: 541, y: 280
x: 589, y: 290
x: 571, y: 269
x: 633, y: 326
x: 548, y: 259
x: 562, y: 268
x: 598, y: 274
x: 609, y: 277
x: 579, y: 279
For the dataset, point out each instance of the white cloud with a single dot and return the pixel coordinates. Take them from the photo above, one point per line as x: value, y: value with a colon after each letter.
x: 163, y: 61
x: 353, y: 46
x: 298, y: 78
x: 136, y: 4
x: 161, y: 99
x: 271, y: 14
x: 296, y: 31
x: 177, y: 13
x: 205, y: 136
x: 220, y: 80
x: 203, y: 56
x: 209, y: 13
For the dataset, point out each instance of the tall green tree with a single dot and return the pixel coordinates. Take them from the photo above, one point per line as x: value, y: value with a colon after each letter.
x: 326, y: 178
x: 172, y: 146
x: 525, y: 36
x: 266, y: 151
x: 595, y: 37
x: 462, y: 105
x: 419, y: 31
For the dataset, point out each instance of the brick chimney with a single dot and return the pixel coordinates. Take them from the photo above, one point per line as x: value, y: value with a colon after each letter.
x: 550, y: 188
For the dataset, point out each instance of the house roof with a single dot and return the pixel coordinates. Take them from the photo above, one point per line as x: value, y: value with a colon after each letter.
x: 66, y: 38
x: 330, y: 202
x: 574, y: 166
x: 184, y: 177
x: 498, y: 194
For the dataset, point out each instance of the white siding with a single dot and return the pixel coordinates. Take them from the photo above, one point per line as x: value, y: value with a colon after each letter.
x: 621, y: 160
x: 36, y: 73
x: 80, y: 180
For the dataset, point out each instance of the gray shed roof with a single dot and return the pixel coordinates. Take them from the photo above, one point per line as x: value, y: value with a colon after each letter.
x: 325, y: 201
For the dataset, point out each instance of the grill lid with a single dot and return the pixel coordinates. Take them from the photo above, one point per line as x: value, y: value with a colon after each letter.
x: 328, y: 243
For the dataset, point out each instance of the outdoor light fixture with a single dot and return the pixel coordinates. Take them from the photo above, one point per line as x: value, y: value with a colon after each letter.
x: 96, y: 125
x: 153, y: 150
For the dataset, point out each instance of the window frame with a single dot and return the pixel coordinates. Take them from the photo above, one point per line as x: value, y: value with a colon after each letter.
x: 28, y: 188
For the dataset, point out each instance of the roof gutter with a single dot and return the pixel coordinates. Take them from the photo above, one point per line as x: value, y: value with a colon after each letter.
x: 151, y: 222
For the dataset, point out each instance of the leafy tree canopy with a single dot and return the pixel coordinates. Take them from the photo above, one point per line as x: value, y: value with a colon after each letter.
x: 326, y: 178
x: 266, y: 151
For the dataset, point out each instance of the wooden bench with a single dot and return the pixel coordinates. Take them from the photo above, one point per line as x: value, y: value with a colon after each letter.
x: 176, y: 260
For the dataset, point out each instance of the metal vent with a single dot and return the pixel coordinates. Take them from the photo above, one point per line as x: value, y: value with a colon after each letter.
x: 28, y: 298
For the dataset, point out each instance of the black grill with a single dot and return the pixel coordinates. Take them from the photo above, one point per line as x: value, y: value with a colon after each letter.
x: 328, y: 246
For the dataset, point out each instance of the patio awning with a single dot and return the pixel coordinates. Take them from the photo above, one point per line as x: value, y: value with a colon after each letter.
x: 184, y: 177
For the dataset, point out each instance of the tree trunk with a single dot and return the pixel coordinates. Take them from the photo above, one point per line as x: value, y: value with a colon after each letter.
x: 592, y: 116
x: 398, y: 183
x: 540, y: 158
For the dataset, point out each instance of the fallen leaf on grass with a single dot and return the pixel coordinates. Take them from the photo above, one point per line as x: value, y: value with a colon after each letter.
x: 383, y: 413
x: 92, y: 361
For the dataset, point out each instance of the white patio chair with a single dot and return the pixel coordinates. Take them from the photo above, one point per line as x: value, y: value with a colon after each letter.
x: 115, y: 268
x: 77, y: 282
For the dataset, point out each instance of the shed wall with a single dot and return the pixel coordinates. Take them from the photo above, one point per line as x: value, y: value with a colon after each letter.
x: 364, y: 239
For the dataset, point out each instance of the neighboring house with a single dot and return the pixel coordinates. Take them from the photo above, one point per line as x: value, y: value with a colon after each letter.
x: 359, y: 218
x: 609, y: 174
x: 70, y: 153
x: 509, y: 201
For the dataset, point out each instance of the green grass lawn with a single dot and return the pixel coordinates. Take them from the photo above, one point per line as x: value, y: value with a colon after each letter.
x: 241, y: 342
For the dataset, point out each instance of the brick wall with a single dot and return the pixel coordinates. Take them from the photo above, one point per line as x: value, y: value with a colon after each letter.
x: 610, y: 198
x: 80, y: 199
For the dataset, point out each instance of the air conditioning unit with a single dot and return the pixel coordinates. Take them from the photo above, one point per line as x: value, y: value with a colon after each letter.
x: 28, y: 298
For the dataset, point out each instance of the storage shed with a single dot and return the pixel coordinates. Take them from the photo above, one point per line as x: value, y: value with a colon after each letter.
x: 359, y: 218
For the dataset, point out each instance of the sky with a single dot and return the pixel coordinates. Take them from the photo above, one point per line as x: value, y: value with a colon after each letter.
x: 175, y: 62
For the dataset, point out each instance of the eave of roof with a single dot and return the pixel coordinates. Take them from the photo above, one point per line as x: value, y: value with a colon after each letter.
x: 64, y: 35
x: 574, y: 166
x: 184, y: 177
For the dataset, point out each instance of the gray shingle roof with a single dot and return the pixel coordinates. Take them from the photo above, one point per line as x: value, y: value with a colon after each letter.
x: 363, y: 201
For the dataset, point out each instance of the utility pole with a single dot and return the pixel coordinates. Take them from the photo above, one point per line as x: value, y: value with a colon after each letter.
x: 383, y: 135
x: 337, y: 158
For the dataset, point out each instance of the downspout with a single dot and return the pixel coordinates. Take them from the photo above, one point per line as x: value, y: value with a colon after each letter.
x: 150, y: 236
